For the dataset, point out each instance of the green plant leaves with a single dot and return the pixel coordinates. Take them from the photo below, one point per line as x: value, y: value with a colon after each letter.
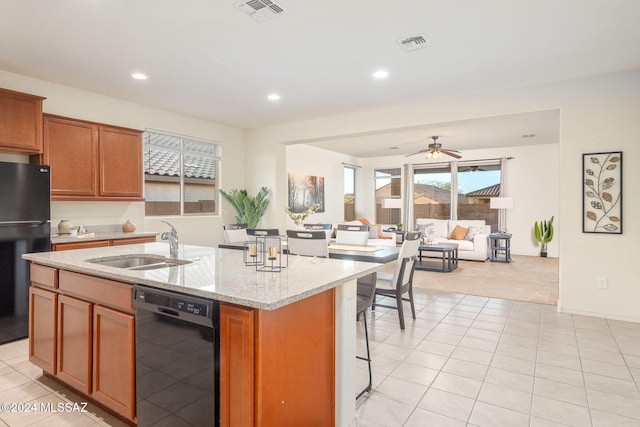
x: 249, y: 210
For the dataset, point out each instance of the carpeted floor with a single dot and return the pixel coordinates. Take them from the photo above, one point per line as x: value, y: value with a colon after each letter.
x: 525, y: 278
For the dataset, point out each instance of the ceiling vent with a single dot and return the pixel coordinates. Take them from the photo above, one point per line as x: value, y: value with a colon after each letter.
x: 261, y: 10
x: 414, y: 42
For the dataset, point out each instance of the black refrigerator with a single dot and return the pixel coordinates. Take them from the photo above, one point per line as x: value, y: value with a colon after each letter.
x: 25, y: 209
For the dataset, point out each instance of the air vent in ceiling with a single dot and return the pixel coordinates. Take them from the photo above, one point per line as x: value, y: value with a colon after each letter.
x: 261, y: 10
x: 414, y: 42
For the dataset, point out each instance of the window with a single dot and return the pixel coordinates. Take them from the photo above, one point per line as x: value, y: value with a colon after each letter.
x: 180, y: 175
x: 432, y: 192
x: 349, y: 193
x: 478, y: 182
x: 388, y: 186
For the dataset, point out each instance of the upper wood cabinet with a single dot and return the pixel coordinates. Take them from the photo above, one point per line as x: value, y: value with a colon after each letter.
x: 20, y: 122
x: 92, y: 161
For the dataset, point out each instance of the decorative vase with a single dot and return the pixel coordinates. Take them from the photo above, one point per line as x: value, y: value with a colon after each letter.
x: 64, y: 226
x: 128, y: 227
x: 543, y: 254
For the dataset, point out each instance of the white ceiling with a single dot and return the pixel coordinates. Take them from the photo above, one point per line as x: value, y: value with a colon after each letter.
x: 206, y: 59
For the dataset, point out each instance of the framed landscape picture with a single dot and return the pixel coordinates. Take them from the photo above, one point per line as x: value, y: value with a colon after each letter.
x: 305, y: 191
x: 602, y: 192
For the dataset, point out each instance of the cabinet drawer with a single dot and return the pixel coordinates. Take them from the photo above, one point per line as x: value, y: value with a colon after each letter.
x: 42, y: 276
x: 133, y: 240
x: 80, y: 245
x: 95, y: 289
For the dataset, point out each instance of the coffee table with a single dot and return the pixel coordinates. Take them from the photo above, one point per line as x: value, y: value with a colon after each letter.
x: 448, y: 257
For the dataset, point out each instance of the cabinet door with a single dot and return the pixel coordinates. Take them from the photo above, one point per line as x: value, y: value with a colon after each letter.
x: 42, y: 328
x: 114, y: 360
x: 74, y: 343
x: 120, y: 163
x: 71, y: 148
x: 236, y: 365
x: 20, y: 122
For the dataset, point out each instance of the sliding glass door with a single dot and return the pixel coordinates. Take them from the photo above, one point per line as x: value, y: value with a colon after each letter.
x: 459, y: 190
x: 432, y: 192
x: 477, y: 183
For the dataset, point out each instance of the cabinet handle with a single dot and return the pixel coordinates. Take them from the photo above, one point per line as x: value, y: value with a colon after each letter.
x: 168, y: 311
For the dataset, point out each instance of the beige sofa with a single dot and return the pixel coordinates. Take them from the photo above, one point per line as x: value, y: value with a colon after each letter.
x: 472, y: 246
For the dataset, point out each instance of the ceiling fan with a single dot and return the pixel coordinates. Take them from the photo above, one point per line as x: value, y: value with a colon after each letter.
x: 435, y: 150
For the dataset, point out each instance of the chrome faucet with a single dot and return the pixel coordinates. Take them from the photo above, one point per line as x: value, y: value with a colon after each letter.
x: 172, y: 237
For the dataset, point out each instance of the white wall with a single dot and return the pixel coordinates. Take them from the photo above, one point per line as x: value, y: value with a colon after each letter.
x: 306, y: 160
x: 70, y: 102
x: 597, y: 114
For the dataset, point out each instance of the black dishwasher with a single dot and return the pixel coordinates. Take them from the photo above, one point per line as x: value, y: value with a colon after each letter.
x: 177, y: 359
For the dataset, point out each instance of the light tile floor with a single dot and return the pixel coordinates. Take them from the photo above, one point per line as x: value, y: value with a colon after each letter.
x: 475, y: 361
x: 465, y: 360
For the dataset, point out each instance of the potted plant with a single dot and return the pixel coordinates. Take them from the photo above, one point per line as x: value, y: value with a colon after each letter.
x: 399, y: 225
x: 543, y: 232
x: 249, y: 210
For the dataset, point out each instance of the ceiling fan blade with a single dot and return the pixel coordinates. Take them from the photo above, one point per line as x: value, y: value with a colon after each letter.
x: 419, y: 152
x: 450, y: 153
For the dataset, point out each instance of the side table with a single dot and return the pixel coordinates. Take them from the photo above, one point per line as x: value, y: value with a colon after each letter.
x: 399, y: 235
x: 500, y: 247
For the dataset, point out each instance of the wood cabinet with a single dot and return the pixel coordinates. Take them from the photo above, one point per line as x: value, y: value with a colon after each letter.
x: 277, y: 366
x: 102, y: 243
x: 43, y: 309
x: 20, y: 122
x: 82, y: 331
x: 237, y: 354
x: 92, y: 161
x: 42, y: 328
x: 114, y: 360
x: 74, y: 343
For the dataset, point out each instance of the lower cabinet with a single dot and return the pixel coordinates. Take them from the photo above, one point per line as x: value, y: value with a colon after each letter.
x: 277, y: 367
x: 42, y: 328
x: 83, y: 343
x: 74, y: 343
x: 114, y: 360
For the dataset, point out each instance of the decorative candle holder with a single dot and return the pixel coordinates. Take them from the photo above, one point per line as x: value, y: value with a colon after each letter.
x: 250, y: 253
x: 273, y: 256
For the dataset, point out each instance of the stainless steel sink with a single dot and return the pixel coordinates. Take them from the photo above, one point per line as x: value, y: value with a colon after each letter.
x: 139, y: 262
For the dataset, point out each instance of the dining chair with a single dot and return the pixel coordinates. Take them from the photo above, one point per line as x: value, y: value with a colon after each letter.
x: 328, y: 228
x: 308, y: 243
x: 401, y: 281
x: 263, y: 232
x: 352, y: 235
x: 234, y: 233
x: 365, y: 295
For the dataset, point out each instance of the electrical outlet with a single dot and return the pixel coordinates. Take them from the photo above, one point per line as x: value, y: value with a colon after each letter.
x: 601, y: 283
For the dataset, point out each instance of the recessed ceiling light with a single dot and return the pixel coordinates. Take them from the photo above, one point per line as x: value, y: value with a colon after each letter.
x: 273, y: 97
x: 139, y: 76
x: 394, y: 148
x: 381, y: 74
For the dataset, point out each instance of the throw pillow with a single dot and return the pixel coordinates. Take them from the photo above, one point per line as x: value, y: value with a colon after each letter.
x: 471, y: 233
x: 458, y: 233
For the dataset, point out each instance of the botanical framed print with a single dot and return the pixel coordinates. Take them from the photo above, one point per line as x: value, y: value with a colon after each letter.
x: 305, y: 191
x: 602, y: 192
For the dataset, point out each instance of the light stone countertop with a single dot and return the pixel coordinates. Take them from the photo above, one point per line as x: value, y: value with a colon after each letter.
x: 218, y: 274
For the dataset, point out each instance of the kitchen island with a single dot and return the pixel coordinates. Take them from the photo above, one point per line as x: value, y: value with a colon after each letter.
x: 287, y: 339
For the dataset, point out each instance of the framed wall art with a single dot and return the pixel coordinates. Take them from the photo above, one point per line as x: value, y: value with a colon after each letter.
x: 305, y: 191
x: 602, y: 192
